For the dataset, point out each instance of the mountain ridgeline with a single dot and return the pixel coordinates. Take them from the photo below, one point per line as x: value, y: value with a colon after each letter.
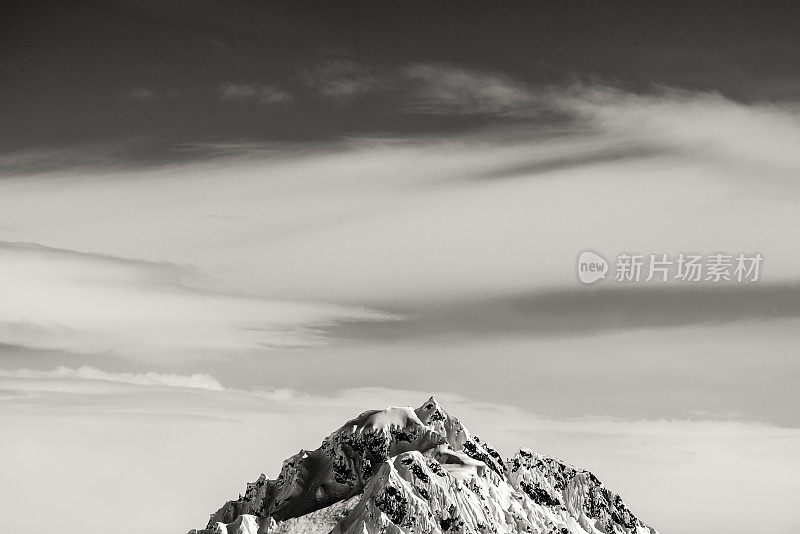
x: 403, y: 471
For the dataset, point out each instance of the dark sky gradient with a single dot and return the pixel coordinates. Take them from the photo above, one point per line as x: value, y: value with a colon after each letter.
x: 68, y: 68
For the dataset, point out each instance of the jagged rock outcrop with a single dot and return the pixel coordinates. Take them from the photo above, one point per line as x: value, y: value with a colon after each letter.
x: 399, y: 470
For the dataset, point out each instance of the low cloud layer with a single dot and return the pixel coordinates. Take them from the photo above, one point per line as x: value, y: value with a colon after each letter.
x: 668, y: 470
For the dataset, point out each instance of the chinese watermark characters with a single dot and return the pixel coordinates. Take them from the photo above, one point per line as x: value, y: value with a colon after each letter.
x: 683, y: 267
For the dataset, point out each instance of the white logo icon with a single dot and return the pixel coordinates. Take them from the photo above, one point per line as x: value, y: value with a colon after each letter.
x: 591, y: 267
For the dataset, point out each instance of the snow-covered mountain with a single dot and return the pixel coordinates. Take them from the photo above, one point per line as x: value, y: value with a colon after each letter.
x: 402, y: 471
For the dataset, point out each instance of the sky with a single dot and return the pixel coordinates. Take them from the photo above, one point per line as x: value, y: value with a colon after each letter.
x: 227, y: 228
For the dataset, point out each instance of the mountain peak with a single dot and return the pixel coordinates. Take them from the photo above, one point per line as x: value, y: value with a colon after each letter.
x: 432, y: 399
x: 431, y: 410
x: 400, y: 470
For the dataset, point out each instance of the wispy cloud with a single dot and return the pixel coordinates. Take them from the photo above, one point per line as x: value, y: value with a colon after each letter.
x: 702, y: 125
x: 393, y: 198
x: 443, y: 89
x: 266, y: 95
x: 344, y: 80
x: 61, y: 299
x: 438, y: 89
x: 150, y: 378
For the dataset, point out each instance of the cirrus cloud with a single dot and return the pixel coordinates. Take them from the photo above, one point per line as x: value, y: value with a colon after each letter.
x: 266, y: 95
x: 79, y: 302
x: 150, y: 378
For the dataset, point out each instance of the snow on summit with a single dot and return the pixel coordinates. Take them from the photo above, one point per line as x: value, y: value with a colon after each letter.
x: 403, y: 471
